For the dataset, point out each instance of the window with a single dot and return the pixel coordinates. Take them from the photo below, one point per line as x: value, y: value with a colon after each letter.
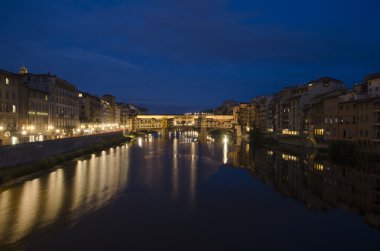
x: 13, y: 109
x: 7, y: 81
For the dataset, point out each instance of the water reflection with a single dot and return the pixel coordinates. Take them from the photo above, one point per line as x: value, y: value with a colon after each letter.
x: 65, y: 194
x: 312, y: 179
x: 179, y: 177
x: 158, y: 174
x: 28, y: 210
x: 54, y: 198
x: 225, y: 151
x: 175, y: 169
x: 193, y: 173
x: 79, y: 187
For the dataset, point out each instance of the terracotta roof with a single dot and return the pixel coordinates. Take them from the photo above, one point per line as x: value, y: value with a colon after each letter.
x: 325, y: 79
x: 372, y: 76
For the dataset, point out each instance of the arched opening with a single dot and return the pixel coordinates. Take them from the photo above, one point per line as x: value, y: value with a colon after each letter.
x: 220, y: 135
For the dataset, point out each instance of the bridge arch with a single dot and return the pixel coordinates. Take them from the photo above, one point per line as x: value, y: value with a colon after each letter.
x: 219, y: 133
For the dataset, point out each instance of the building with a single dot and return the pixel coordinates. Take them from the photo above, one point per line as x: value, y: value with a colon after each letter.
x: 9, y: 105
x: 90, y: 107
x: 127, y: 111
x: 262, y: 113
x: 63, y: 100
x: 321, y: 113
x: 243, y: 116
x: 111, y: 110
x: 106, y: 113
x: 372, y: 83
x: 332, y: 113
x: 37, y: 115
x: 360, y: 122
x: 302, y: 96
x: 226, y: 108
x: 280, y: 111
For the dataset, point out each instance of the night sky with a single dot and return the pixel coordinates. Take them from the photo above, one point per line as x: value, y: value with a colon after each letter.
x: 183, y: 56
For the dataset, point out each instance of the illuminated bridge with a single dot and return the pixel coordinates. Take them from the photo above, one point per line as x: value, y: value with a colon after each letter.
x: 203, y: 123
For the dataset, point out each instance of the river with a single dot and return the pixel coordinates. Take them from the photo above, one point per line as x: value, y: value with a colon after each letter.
x: 176, y: 194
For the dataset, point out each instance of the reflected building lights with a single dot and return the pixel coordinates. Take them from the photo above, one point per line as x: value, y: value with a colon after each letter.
x: 318, y: 166
x: 225, y: 152
x: 193, y: 174
x: 139, y: 141
x: 175, y: 176
x: 41, y: 202
x: 55, y: 195
x: 288, y: 157
x: 79, y: 187
x: 28, y: 210
x: 5, y: 205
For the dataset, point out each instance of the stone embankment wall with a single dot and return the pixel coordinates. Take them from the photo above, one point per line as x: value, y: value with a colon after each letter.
x: 12, y: 155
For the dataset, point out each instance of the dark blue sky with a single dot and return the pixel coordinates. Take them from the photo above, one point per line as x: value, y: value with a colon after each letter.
x: 181, y: 56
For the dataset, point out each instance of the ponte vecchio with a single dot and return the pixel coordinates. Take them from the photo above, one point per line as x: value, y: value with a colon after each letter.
x: 201, y: 122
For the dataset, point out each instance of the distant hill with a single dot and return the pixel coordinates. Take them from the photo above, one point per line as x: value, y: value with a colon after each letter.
x: 224, y: 108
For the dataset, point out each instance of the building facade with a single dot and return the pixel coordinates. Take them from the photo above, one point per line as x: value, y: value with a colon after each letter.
x: 63, y: 100
x: 90, y: 107
x: 9, y: 105
x: 262, y: 113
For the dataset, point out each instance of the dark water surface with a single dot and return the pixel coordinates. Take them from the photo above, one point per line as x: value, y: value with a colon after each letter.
x: 177, y: 195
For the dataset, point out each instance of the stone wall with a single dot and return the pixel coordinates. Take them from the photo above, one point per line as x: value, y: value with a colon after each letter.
x: 12, y: 155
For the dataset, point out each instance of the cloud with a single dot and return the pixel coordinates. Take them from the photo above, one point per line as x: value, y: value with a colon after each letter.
x: 87, y: 56
x: 197, y: 51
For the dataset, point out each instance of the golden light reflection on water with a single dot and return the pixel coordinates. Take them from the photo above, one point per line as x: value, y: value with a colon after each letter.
x: 28, y: 210
x: 54, y: 197
x: 5, y: 204
x: 64, y: 195
x: 175, y: 169
x: 225, y: 152
x: 79, y: 188
x: 193, y: 173
x: 93, y: 183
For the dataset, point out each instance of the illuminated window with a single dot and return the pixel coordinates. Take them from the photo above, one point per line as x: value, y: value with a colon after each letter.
x: 7, y: 81
x: 13, y: 108
x: 318, y: 166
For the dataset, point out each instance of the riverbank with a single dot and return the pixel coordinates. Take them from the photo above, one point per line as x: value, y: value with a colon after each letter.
x: 12, y: 174
x: 337, y: 151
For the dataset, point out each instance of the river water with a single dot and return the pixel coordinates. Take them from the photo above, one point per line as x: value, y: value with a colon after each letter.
x: 175, y: 194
